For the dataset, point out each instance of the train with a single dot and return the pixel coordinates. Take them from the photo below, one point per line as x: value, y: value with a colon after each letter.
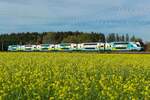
x: 90, y: 46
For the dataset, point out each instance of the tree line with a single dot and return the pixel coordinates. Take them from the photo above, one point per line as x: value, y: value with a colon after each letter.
x: 60, y: 37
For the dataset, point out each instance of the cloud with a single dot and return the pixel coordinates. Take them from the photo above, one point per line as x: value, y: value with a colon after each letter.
x: 121, y: 16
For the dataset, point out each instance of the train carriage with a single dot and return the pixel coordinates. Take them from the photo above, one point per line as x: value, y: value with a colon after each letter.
x: 30, y: 47
x: 38, y: 48
x: 51, y: 47
x: 125, y: 46
x: 45, y: 47
x: 13, y: 48
x: 65, y: 47
x: 74, y: 47
x: 95, y: 46
x: 92, y: 46
x: 22, y: 47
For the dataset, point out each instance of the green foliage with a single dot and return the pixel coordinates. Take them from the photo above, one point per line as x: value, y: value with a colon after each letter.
x: 116, y: 37
x: 19, y: 38
x: 147, y: 47
x: 74, y: 76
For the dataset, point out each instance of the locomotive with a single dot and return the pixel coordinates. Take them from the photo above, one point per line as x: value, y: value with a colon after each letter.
x: 91, y: 46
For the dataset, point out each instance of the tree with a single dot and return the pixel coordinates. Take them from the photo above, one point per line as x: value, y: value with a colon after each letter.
x: 122, y: 38
x: 49, y: 38
x: 117, y: 38
x: 127, y: 38
x: 147, y: 47
x: 133, y: 39
x: 111, y: 37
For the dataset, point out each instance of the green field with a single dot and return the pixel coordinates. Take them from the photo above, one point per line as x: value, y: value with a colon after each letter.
x: 73, y: 76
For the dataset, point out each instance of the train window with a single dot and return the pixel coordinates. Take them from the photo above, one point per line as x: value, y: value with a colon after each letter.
x: 44, y: 45
x: 65, y: 48
x: 120, y: 43
x: 91, y: 44
x: 89, y: 48
x: 138, y: 45
x: 132, y: 46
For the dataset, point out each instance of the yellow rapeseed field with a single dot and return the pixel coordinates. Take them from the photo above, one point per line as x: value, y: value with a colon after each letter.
x: 74, y: 76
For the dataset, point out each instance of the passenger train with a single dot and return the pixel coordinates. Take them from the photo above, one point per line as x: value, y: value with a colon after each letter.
x: 92, y: 46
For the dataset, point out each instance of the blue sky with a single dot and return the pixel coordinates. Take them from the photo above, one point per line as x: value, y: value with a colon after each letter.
x: 107, y: 16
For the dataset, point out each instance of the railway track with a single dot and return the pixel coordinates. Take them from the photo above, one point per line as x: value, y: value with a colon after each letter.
x: 129, y: 53
x: 119, y: 52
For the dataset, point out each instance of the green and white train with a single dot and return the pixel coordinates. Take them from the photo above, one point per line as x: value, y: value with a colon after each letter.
x: 93, y: 46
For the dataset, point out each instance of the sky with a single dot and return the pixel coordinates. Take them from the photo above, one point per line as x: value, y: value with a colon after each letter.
x: 106, y: 16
